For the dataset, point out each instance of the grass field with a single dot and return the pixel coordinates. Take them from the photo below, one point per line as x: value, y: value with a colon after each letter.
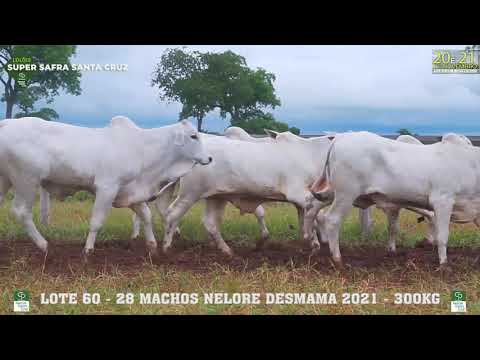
x: 284, y: 266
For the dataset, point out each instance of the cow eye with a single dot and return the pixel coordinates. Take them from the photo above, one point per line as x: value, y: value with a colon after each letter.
x: 195, y: 137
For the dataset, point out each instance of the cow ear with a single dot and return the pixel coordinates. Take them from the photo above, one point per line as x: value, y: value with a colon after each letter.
x: 271, y: 133
x: 179, y: 137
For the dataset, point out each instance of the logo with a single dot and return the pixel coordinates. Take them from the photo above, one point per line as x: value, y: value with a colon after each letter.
x: 458, y: 301
x: 21, y: 301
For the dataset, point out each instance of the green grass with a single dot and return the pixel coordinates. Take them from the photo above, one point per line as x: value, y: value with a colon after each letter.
x: 69, y: 224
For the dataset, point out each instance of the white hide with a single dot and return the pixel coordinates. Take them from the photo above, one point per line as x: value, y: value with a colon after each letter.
x: 121, y: 163
x: 248, y: 174
x: 364, y: 168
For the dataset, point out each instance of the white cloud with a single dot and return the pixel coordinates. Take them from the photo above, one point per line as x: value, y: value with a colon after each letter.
x: 310, y: 80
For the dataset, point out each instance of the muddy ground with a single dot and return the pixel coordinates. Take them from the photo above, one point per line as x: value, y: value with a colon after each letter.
x: 65, y: 259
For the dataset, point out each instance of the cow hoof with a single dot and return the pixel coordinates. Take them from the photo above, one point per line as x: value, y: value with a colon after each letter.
x: 152, y: 247
x: 315, y: 248
x: 52, y: 251
x: 444, y: 269
x: 167, y: 250
x: 43, y: 247
x: 211, y: 244
x: 424, y: 244
x: 86, y: 253
x: 391, y: 253
x: 338, y: 263
x: 228, y: 252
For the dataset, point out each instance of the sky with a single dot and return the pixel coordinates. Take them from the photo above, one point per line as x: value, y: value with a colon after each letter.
x: 322, y: 88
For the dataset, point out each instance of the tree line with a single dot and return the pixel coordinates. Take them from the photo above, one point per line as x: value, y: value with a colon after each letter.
x: 201, y: 82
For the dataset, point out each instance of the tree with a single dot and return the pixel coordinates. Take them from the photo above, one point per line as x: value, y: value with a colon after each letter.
x: 404, y: 131
x: 257, y: 123
x: 179, y: 77
x: 44, y: 113
x: 203, y: 82
x: 24, y: 88
x: 241, y: 92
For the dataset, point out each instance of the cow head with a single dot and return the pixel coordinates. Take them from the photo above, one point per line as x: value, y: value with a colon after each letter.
x: 271, y: 133
x: 458, y: 139
x: 190, y: 143
x: 283, y: 136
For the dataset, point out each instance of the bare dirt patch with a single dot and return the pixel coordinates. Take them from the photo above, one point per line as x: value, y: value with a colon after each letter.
x: 110, y: 258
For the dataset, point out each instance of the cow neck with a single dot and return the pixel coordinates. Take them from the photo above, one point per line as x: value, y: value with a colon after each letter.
x: 158, y: 151
x: 317, y: 149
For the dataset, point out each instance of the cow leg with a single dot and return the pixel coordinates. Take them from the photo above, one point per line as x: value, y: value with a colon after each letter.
x: 143, y: 212
x: 430, y: 236
x: 443, y: 212
x: 301, y: 222
x: 174, y: 213
x: 44, y: 206
x: 366, y: 222
x: 260, y: 215
x: 211, y: 221
x: 136, y: 225
x: 22, y: 209
x: 320, y: 227
x: 393, y: 228
x: 104, y: 198
x: 311, y: 212
x: 429, y: 239
x: 333, y: 220
x: 162, y: 203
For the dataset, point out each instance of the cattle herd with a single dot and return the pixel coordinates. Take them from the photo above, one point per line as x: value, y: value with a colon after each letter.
x: 323, y: 177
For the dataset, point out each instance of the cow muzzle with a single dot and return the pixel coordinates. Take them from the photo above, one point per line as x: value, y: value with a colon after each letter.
x: 201, y: 162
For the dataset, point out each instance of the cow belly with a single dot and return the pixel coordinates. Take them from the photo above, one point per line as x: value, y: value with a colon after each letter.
x: 133, y: 194
x: 465, y: 211
x: 382, y: 200
x: 245, y: 203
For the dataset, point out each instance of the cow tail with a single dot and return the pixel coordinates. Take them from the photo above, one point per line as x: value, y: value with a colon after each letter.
x: 321, y: 188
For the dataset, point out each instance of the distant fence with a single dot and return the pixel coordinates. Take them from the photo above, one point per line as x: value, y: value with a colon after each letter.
x: 425, y: 139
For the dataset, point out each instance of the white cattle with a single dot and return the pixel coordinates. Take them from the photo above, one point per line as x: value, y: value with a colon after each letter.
x: 248, y: 174
x: 44, y: 194
x: 166, y: 197
x: 123, y: 165
x: 364, y: 169
x: 307, y: 218
x: 393, y: 210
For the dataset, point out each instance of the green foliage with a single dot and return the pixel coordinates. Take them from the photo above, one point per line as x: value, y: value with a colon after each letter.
x: 203, y: 82
x: 404, y: 131
x: 81, y: 196
x: 44, y: 113
x: 38, y: 84
x: 257, y: 123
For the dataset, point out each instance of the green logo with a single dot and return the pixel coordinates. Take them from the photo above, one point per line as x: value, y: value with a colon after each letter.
x: 458, y: 295
x: 21, y: 295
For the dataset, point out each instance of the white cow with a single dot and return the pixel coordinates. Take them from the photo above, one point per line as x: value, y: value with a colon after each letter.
x: 307, y: 218
x: 364, y: 169
x: 166, y: 197
x: 392, y: 211
x: 248, y: 174
x: 215, y: 208
x: 123, y: 165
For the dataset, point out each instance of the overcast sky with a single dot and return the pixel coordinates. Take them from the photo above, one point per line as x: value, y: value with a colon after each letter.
x: 322, y: 88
